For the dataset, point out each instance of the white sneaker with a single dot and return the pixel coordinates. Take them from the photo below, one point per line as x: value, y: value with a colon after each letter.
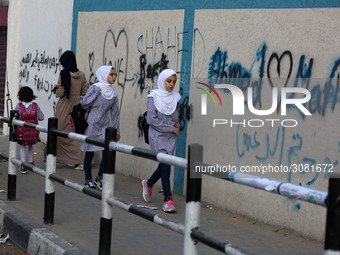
x: 23, y: 170
x: 99, y: 184
x: 78, y: 167
x: 147, y: 192
x: 90, y: 185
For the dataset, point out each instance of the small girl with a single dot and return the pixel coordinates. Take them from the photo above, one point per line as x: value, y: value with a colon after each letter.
x: 28, y: 111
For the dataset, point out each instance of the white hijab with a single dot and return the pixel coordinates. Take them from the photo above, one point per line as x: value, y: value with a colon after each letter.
x: 165, y: 101
x: 107, y: 91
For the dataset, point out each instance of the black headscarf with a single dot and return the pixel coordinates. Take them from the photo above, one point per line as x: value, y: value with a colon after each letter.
x: 69, y: 62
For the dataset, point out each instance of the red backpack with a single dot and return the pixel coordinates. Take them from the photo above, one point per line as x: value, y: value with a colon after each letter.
x: 27, y: 136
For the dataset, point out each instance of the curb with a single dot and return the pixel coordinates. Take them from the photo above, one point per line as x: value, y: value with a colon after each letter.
x: 31, y: 237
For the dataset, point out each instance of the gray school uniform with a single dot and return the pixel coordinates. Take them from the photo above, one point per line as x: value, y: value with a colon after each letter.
x: 104, y: 113
x: 161, y: 135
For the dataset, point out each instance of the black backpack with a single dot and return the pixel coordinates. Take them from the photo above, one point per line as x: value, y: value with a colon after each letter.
x: 144, y: 126
x: 77, y: 119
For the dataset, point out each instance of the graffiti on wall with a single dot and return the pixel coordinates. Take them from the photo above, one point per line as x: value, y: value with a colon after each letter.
x: 149, y: 71
x: 277, y: 144
x: 158, y: 48
x: 324, y: 95
x: 33, y: 67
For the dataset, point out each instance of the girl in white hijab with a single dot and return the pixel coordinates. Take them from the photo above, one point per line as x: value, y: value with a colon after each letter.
x: 164, y: 100
x: 101, y: 102
x: 107, y: 91
x: 162, y: 115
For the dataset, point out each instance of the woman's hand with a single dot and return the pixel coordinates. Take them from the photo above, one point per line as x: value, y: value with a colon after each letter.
x: 176, y: 128
x: 55, y: 87
x: 118, y: 137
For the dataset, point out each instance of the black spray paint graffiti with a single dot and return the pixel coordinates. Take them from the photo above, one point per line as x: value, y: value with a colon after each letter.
x: 116, y: 53
x: 150, y: 71
x: 43, y: 86
x: 92, y: 78
x: 24, y: 74
x: 36, y: 63
x: 275, y: 56
x: 160, y: 48
x: 40, y: 61
x: 198, y: 48
x: 156, y: 41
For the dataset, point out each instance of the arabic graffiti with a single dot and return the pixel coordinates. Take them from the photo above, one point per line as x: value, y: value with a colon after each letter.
x: 33, y: 67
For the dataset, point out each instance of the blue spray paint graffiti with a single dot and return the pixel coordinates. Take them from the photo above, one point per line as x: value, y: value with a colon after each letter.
x: 220, y: 71
x: 273, y: 147
x: 276, y: 145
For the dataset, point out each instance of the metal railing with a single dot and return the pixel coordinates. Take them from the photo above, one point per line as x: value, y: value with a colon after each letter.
x: 190, y: 229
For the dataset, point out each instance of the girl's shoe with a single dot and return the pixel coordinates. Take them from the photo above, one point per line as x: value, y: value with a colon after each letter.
x: 89, y: 184
x: 168, y: 206
x: 147, y: 192
x: 23, y: 170
x: 78, y: 167
x: 99, y: 184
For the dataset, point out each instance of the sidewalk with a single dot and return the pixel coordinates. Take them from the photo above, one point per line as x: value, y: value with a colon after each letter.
x: 77, y: 217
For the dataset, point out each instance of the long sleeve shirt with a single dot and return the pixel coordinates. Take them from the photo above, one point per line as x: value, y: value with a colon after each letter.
x: 103, y: 113
x: 161, y: 135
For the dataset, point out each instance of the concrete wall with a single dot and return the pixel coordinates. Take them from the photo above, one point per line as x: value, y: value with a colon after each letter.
x: 38, y: 32
x: 201, y: 42
x: 305, y: 43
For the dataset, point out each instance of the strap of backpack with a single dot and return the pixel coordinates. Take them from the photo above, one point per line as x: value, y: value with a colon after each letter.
x: 22, y: 109
x: 34, y: 109
x: 88, y: 113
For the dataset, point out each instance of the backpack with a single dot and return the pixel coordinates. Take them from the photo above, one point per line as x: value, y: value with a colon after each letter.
x: 27, y: 136
x: 77, y: 120
x: 145, y: 127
